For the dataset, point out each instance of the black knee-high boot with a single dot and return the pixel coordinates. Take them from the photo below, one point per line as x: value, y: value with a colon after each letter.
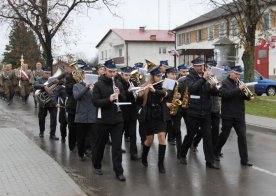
x: 145, y: 155
x: 178, y: 145
x: 161, y: 156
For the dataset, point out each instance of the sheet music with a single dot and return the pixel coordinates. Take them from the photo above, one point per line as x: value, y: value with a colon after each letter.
x: 90, y: 78
x: 168, y: 84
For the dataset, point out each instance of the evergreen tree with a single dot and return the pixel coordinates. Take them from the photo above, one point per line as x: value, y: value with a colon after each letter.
x: 22, y: 41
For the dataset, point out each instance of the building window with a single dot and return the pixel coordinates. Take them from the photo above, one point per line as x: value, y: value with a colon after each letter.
x: 211, y: 33
x: 102, y: 55
x: 162, y: 50
x: 187, y: 60
x: 179, y: 40
x: 199, y: 35
x: 120, y: 52
x: 267, y: 20
x: 222, y: 29
x: 187, y: 38
x: 105, y: 54
x: 234, y: 28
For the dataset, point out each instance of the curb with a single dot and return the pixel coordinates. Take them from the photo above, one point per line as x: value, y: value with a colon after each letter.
x: 261, y: 129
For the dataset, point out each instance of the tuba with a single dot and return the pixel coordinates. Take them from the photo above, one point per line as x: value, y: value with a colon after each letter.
x: 44, y: 97
x: 175, y: 101
x: 135, y: 76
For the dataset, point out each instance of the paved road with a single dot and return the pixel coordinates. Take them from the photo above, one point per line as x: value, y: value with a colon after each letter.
x: 193, y: 179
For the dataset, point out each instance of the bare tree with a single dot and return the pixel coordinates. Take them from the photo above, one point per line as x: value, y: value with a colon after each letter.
x: 249, y: 17
x: 47, y: 17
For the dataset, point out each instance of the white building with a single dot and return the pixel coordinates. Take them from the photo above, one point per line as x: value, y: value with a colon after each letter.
x: 197, y: 38
x: 129, y: 46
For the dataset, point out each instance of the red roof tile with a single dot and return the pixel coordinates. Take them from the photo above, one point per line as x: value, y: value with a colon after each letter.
x: 140, y: 35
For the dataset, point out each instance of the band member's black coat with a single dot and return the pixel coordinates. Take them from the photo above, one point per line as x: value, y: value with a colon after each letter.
x: 100, y: 98
x: 232, y: 103
x: 71, y: 103
x: 198, y: 86
x: 129, y: 111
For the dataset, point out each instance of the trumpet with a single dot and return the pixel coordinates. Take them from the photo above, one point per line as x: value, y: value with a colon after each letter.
x: 247, y: 92
x: 213, y: 81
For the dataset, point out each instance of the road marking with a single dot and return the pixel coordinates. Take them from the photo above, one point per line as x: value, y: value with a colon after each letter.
x: 264, y: 170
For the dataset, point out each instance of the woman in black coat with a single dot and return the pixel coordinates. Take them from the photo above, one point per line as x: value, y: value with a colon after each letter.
x: 154, y: 115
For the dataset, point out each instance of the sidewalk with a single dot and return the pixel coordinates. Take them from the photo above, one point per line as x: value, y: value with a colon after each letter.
x: 262, y: 124
x: 25, y: 169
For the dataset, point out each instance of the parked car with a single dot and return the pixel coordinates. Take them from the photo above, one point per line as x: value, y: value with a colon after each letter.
x: 264, y: 85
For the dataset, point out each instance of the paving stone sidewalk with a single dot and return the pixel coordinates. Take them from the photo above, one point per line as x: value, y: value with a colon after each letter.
x: 25, y: 169
x: 261, y: 122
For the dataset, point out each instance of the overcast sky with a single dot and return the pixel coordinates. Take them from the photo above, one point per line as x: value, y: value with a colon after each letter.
x: 88, y: 28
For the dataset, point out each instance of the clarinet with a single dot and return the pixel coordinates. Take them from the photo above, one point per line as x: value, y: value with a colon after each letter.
x: 117, y: 99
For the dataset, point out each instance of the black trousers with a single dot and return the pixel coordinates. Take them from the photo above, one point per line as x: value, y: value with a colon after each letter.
x: 130, y: 128
x: 83, y: 132
x: 72, y: 138
x: 240, y: 128
x: 103, y: 131
x: 62, y: 122
x: 215, y: 120
x: 42, y: 113
x: 173, y: 127
x: 193, y: 124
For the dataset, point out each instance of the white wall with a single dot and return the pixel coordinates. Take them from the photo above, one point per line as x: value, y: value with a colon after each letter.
x: 138, y: 52
x: 110, y: 44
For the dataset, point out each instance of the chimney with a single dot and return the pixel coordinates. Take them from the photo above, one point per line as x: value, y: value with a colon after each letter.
x: 152, y: 37
x: 142, y: 29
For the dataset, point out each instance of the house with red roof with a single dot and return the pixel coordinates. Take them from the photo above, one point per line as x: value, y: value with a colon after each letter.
x: 129, y: 46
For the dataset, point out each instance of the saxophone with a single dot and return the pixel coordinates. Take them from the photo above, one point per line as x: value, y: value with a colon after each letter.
x: 185, y: 101
x: 175, y: 101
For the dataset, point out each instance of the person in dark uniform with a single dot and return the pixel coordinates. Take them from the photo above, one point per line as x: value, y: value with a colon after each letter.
x: 155, y: 113
x: 106, y: 92
x: 37, y: 73
x: 62, y: 96
x: 163, y: 66
x: 183, y: 87
x: 45, y: 107
x: 215, y: 117
x: 233, y: 113
x: 173, y: 99
x: 70, y: 106
x: 130, y: 111
x: 142, y: 132
x: 199, y: 112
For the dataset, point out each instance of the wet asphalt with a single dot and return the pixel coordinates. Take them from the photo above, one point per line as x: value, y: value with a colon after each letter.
x: 191, y: 180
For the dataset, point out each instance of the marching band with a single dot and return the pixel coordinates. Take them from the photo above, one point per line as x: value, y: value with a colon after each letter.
x: 112, y: 106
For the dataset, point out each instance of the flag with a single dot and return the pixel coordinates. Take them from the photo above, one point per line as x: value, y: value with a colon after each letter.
x: 23, y: 74
x: 263, y: 43
x: 173, y: 52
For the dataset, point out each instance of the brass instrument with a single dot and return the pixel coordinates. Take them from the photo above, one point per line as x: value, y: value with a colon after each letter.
x: 117, y: 99
x: 175, y: 101
x: 247, y: 92
x: 44, y: 97
x: 185, y: 101
x: 134, y: 75
x: 213, y: 81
